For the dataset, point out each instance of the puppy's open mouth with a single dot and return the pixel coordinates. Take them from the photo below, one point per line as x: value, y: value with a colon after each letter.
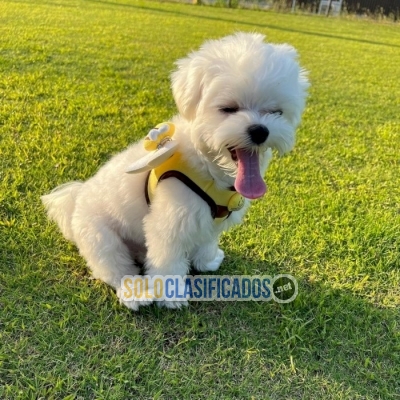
x: 232, y: 150
x: 249, y: 182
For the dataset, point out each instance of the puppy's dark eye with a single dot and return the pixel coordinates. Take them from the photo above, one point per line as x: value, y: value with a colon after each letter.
x: 269, y: 112
x: 229, y: 110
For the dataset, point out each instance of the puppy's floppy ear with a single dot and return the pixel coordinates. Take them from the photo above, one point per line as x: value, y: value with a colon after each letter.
x: 187, y: 85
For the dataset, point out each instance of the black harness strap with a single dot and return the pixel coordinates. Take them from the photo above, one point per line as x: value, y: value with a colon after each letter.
x: 217, y: 211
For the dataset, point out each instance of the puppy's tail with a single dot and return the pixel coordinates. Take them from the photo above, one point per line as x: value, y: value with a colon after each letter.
x: 60, y: 204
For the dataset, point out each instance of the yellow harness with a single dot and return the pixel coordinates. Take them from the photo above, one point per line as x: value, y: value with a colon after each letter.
x: 221, y: 201
x: 165, y: 161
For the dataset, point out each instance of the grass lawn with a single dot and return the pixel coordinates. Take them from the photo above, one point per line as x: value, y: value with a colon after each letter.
x: 79, y: 81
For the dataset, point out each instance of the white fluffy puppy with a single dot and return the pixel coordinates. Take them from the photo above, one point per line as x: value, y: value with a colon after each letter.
x: 238, y: 98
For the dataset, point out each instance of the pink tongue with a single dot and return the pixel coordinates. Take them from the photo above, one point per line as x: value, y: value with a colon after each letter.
x: 249, y: 182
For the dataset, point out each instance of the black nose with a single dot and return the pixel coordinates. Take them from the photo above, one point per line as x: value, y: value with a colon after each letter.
x: 258, y: 133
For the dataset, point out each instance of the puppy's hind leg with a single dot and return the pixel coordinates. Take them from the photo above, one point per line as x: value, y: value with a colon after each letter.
x: 107, y: 255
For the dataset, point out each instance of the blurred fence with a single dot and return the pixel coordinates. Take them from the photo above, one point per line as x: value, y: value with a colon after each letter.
x: 377, y: 9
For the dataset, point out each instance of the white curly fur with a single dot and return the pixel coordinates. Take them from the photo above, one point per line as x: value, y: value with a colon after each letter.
x: 107, y: 216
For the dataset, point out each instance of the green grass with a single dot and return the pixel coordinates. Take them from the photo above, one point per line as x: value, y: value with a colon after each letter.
x: 79, y: 81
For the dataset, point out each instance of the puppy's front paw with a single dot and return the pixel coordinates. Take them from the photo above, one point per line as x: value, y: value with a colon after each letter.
x: 214, y: 264
x: 133, y: 303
